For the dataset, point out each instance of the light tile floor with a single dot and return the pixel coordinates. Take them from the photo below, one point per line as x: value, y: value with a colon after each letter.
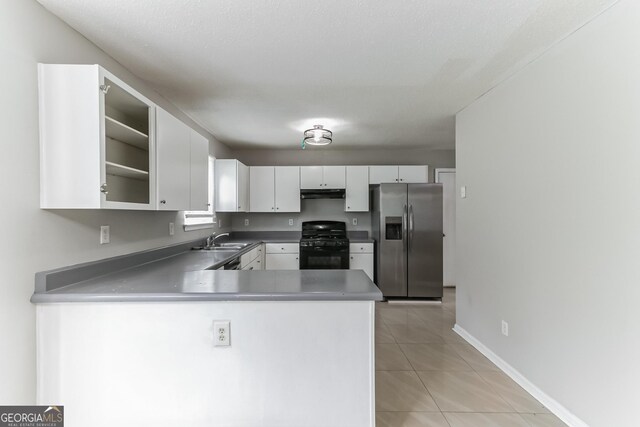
x: 427, y: 376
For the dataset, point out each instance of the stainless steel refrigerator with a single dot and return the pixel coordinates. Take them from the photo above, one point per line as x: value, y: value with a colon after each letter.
x: 407, y: 227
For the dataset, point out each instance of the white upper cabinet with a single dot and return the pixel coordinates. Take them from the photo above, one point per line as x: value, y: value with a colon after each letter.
x: 274, y: 189
x: 322, y: 177
x: 311, y: 177
x: 173, y: 162
x: 262, y: 190
x: 383, y: 174
x: 334, y: 176
x: 96, y: 140
x: 287, y: 184
x: 357, y: 192
x: 232, y: 182
x: 405, y: 174
x: 199, y: 200
x: 413, y: 174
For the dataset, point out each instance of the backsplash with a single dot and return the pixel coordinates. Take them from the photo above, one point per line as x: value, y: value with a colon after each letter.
x: 311, y: 210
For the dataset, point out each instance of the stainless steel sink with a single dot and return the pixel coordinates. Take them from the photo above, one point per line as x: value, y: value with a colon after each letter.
x: 232, y: 245
x: 221, y: 247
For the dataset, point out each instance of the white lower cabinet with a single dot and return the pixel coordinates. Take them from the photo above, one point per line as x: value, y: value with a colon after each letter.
x: 252, y: 260
x: 282, y: 256
x: 361, y: 258
x: 283, y: 262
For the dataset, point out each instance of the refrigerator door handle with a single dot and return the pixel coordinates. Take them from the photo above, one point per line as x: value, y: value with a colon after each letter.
x: 404, y: 223
x: 411, y: 225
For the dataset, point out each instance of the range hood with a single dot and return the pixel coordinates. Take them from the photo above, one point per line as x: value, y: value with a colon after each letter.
x: 322, y: 194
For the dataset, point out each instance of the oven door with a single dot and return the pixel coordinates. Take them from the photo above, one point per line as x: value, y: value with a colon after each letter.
x: 323, y: 258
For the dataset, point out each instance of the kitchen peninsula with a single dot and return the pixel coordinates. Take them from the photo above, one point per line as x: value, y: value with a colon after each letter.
x: 138, y: 345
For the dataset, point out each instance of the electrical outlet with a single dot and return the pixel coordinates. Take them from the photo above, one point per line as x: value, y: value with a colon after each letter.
x: 463, y: 192
x: 246, y: 222
x: 219, y: 222
x: 105, y: 236
x: 291, y: 221
x: 505, y: 328
x: 221, y: 334
x: 355, y: 221
x: 172, y: 229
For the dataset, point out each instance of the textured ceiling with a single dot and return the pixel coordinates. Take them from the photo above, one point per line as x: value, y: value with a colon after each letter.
x: 377, y: 72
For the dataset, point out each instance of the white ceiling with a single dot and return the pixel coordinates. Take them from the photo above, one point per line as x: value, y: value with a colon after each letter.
x: 256, y: 73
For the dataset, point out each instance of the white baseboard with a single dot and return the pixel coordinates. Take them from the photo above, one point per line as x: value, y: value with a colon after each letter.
x: 553, y: 405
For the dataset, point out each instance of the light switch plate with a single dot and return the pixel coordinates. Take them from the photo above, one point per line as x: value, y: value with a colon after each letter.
x: 105, y: 234
x: 463, y: 192
x: 172, y: 229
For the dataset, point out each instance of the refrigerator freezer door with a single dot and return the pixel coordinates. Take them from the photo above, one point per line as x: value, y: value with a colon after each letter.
x: 392, y: 249
x: 425, y: 244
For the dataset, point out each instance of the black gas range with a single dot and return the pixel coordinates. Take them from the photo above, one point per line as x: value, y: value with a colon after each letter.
x: 324, y: 245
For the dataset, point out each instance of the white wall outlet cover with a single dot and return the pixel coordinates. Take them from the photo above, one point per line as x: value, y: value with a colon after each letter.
x: 219, y: 222
x: 221, y: 333
x: 246, y: 222
x: 290, y: 221
x: 463, y: 192
x: 505, y: 328
x: 355, y: 221
x: 105, y: 234
x: 172, y: 229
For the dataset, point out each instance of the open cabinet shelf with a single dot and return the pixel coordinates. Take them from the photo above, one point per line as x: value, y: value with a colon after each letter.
x: 126, y: 171
x: 124, y: 133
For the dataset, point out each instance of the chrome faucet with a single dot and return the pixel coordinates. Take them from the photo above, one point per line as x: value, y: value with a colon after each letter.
x: 211, y: 240
x: 219, y: 235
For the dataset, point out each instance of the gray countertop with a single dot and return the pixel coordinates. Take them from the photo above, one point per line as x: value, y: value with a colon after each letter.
x: 191, y: 276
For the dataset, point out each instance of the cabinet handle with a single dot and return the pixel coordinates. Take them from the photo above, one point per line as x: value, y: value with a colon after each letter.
x: 278, y: 208
x: 351, y: 257
x: 296, y: 257
x: 105, y: 88
x: 163, y: 202
x: 103, y: 189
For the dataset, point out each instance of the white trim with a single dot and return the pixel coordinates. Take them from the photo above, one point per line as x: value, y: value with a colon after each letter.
x: 192, y: 227
x: 443, y: 170
x: 553, y: 405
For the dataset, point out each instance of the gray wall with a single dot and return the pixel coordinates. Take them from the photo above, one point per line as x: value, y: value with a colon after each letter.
x: 548, y: 239
x: 35, y: 239
x: 331, y: 210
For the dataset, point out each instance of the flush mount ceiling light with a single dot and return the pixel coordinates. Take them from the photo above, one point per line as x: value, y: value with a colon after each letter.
x: 317, y: 136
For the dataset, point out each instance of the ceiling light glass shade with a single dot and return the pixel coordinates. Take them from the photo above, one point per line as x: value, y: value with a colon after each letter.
x: 318, y: 136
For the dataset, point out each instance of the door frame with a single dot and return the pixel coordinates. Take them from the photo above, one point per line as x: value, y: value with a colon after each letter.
x: 438, y: 171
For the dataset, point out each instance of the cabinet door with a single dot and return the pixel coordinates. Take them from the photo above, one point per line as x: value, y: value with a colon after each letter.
x: 334, y: 176
x: 243, y: 188
x: 226, y: 183
x: 357, y: 194
x: 383, y: 174
x: 199, y: 172
x: 362, y: 262
x: 261, y: 189
x: 173, y: 155
x: 282, y: 262
x: 413, y: 174
x: 311, y: 177
x: 287, y: 188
